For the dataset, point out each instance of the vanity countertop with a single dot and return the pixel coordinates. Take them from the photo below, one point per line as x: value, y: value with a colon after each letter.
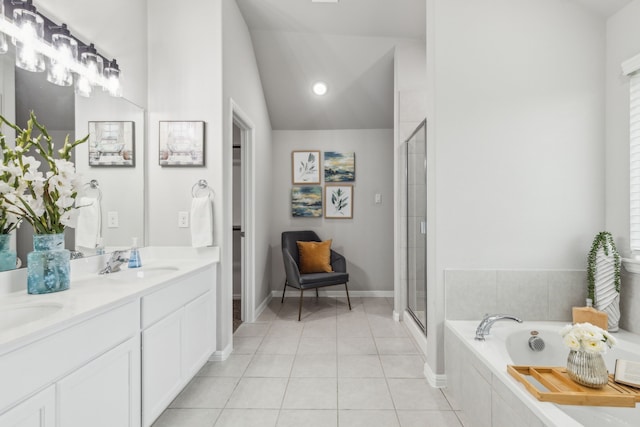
x: 25, y: 318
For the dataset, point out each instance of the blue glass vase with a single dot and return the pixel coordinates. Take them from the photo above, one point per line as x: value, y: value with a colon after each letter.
x: 48, y: 265
x: 7, y: 256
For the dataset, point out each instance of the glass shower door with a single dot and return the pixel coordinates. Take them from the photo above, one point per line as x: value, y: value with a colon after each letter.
x: 417, y: 225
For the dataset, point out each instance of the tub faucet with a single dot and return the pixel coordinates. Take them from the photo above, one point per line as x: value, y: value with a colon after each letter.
x: 114, y: 262
x: 485, y: 325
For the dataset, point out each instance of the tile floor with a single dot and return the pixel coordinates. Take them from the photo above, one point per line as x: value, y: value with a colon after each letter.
x: 334, y: 368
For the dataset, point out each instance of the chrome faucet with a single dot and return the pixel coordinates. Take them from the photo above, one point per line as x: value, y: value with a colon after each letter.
x: 114, y: 262
x: 485, y: 325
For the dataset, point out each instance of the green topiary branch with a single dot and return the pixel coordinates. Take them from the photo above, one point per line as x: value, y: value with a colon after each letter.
x: 602, y: 240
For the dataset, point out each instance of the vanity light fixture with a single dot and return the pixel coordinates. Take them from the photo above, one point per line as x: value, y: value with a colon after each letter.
x: 4, y: 46
x: 93, y: 64
x: 112, y: 77
x: 319, y: 88
x: 30, y: 31
x: 58, y: 71
x: 37, y: 37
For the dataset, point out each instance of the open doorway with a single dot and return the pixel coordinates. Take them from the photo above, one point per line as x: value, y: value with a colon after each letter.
x: 243, y: 217
x: 238, y: 317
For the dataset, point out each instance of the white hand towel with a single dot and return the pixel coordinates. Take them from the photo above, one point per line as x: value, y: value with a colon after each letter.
x: 88, y: 227
x: 201, y: 222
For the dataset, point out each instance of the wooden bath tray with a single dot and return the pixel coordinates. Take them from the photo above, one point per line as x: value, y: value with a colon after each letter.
x: 563, y: 390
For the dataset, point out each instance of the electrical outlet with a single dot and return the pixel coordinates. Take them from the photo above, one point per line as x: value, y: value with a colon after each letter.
x: 183, y: 219
x: 378, y: 198
x: 112, y: 219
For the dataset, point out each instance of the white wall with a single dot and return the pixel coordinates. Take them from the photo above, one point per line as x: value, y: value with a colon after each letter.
x: 410, y: 84
x: 185, y: 83
x: 516, y: 107
x: 241, y: 83
x: 366, y: 240
x: 623, y: 42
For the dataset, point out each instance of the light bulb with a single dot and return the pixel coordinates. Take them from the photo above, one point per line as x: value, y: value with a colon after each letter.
x: 320, y: 88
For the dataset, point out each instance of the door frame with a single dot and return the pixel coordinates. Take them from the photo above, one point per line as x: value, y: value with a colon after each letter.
x: 247, y: 132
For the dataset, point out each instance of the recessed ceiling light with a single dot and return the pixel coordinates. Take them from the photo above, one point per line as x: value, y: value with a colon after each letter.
x: 319, y: 88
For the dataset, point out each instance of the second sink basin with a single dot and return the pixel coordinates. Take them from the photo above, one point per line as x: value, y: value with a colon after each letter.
x: 11, y: 317
x: 141, y: 273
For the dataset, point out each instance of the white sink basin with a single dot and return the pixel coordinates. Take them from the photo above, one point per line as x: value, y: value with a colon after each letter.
x: 141, y: 273
x: 13, y: 316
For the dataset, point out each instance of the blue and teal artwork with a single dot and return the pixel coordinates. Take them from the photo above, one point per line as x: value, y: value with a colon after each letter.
x: 306, y: 201
x: 339, y: 167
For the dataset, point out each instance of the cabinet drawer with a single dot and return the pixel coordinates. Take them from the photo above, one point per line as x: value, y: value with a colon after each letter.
x: 171, y: 298
x: 40, y: 363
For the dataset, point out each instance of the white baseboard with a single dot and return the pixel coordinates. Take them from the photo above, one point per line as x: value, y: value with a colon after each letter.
x: 262, y: 306
x: 434, y: 380
x: 221, y: 355
x: 396, y: 316
x: 293, y: 292
x: 416, y: 332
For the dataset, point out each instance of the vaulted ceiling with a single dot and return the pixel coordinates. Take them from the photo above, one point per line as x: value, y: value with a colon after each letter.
x: 349, y: 45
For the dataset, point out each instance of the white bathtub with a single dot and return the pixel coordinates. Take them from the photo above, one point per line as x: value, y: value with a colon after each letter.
x: 508, y: 344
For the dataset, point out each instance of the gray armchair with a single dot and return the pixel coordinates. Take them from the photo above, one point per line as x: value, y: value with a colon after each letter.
x: 295, y: 279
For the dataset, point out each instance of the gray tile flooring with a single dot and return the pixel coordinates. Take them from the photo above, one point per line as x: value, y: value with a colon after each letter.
x: 334, y: 368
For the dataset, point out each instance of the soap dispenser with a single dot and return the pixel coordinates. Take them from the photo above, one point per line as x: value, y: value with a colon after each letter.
x: 100, y: 246
x: 134, y: 255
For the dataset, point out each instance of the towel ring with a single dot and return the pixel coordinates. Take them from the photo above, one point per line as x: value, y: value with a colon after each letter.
x: 202, y: 184
x: 94, y: 185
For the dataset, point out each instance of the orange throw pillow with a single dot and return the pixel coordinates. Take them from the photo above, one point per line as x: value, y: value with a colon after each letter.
x: 315, y: 257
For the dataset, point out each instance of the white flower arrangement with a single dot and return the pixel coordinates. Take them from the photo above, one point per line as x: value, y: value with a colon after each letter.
x: 587, y: 337
x: 44, y: 199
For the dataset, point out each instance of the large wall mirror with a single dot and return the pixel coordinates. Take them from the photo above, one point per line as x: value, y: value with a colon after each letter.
x: 111, y: 162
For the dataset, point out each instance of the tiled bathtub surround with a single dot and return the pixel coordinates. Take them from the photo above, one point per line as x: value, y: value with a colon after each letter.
x: 630, y: 302
x: 531, y: 295
x: 482, y: 398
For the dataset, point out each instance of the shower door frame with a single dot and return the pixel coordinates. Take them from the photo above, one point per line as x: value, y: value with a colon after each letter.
x: 422, y: 324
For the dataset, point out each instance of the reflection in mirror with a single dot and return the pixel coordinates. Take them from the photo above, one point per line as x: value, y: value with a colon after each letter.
x: 53, y: 106
x: 121, y: 182
x: 113, y: 159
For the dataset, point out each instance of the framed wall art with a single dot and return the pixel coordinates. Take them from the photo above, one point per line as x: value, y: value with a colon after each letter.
x: 338, y: 201
x: 111, y: 144
x: 306, y: 201
x: 339, y: 166
x: 305, y: 167
x: 181, y: 143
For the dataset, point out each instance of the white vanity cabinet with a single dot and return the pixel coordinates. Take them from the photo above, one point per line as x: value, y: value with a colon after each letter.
x: 79, y: 376
x: 118, y: 350
x: 105, y: 392
x: 37, y: 411
x: 178, y: 336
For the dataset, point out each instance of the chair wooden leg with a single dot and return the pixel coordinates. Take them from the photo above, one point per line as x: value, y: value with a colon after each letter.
x: 348, y: 300
x: 283, y: 291
x: 316, y: 293
x: 300, y: 306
